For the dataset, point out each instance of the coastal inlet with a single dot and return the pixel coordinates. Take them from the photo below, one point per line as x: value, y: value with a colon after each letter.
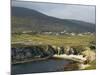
x: 28, y: 58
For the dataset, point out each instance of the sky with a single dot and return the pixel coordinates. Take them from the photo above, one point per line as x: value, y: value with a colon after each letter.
x: 64, y: 11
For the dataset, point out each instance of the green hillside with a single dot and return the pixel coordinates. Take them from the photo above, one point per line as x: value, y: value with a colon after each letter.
x: 24, y: 19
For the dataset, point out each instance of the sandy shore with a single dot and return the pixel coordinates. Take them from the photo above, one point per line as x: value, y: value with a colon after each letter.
x: 78, y: 58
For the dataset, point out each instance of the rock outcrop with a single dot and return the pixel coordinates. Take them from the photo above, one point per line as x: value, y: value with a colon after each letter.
x: 23, y: 52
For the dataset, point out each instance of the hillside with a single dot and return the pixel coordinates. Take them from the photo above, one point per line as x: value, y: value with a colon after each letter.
x: 24, y: 19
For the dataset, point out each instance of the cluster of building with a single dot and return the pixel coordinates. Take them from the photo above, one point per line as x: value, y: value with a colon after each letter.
x: 68, y: 33
x: 58, y: 33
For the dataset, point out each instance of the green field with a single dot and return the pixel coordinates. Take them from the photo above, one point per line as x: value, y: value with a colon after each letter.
x: 60, y: 40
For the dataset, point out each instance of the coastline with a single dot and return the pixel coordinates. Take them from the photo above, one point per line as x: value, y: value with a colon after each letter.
x: 31, y: 60
x: 77, y: 58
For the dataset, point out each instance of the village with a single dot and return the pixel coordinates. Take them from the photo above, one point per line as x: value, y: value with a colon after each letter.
x: 64, y: 32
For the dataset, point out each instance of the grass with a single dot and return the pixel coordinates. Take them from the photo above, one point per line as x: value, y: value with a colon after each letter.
x: 61, y: 40
x: 92, y: 66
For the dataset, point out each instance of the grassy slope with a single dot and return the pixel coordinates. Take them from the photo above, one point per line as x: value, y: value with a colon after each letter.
x: 60, y: 40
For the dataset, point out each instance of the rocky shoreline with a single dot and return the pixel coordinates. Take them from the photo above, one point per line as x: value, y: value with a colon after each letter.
x: 30, y: 60
x: 22, y: 53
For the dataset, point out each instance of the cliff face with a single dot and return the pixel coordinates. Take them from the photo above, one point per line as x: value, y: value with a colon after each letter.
x: 31, y: 52
x: 23, y: 52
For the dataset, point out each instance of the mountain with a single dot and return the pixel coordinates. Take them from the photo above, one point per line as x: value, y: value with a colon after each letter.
x: 24, y: 19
